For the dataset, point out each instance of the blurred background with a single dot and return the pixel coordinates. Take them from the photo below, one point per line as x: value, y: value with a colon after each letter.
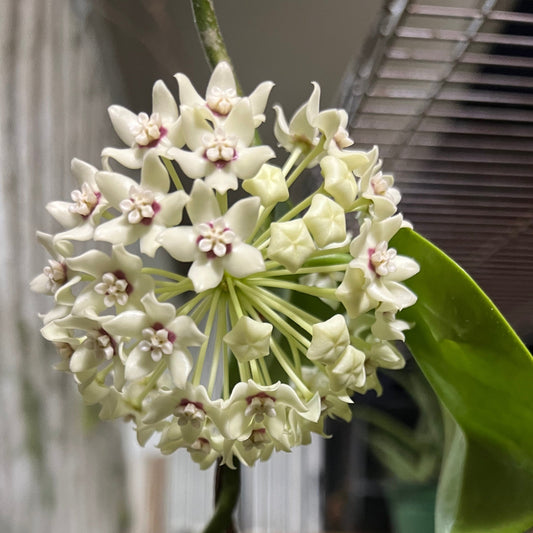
x: 444, y: 87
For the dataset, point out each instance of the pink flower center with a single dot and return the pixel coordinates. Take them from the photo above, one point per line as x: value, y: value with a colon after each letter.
x: 114, y: 287
x: 85, y: 200
x: 148, y: 130
x: 190, y: 412
x: 215, y: 239
x: 381, y: 259
x: 141, y: 206
x: 220, y: 149
x: 158, y: 341
x: 259, y: 406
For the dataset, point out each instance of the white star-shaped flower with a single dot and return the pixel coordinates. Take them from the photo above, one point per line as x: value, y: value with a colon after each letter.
x: 221, y: 95
x: 83, y: 214
x: 375, y: 273
x: 267, y: 405
x: 215, y: 243
x: 146, y: 208
x: 299, y: 132
x: 221, y: 154
x: 143, y: 133
x: 117, y: 281
x: 191, y: 407
x: 159, y: 335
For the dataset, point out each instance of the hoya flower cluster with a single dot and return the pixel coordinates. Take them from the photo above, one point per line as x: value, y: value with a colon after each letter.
x: 269, y: 314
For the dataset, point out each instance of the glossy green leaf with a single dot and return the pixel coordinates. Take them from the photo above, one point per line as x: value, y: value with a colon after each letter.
x: 483, y: 374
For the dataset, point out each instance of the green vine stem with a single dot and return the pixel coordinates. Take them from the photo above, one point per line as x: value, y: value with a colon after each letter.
x: 210, y: 35
x: 212, y: 41
x: 228, y: 481
x: 227, y: 490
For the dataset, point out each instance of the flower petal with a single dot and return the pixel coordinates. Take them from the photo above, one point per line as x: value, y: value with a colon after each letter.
x: 119, y: 231
x: 122, y: 120
x: 154, y: 175
x: 202, y: 206
x: 163, y: 103
x: 188, y: 94
x: 206, y: 273
x: 244, y: 260
x: 179, y: 242
x: 128, y: 323
x: 193, y: 164
x: 240, y: 122
x: 61, y: 212
x: 180, y: 366
x: 258, y: 99
x: 242, y: 216
x: 83, y: 172
x: 138, y: 364
x: 195, y: 127
x: 115, y: 187
x: 250, y: 160
x: 222, y: 77
x: 172, y: 208
x: 187, y: 332
x: 127, y: 157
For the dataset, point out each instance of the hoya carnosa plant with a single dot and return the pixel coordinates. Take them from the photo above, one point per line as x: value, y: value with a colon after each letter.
x: 270, y: 313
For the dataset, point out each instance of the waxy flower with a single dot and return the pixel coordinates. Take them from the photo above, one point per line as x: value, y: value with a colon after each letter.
x: 330, y: 339
x: 231, y: 324
x: 159, y: 336
x: 82, y: 215
x: 249, y: 339
x: 117, y: 281
x: 299, y: 134
x: 215, y: 242
x: 191, y: 408
x: 339, y: 181
x: 146, y: 208
x: 205, y: 450
x: 145, y: 133
x: 291, y: 243
x: 221, y: 154
x: 268, y: 406
x: 55, y: 276
x: 56, y: 279
x: 375, y: 272
x: 269, y: 185
x: 221, y: 95
x: 377, y: 189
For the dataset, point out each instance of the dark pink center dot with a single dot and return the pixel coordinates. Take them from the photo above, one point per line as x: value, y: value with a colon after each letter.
x: 211, y: 254
x: 120, y: 275
x: 152, y: 144
x: 101, y: 332
x: 221, y: 163
x: 148, y: 220
x: 198, y: 405
x: 259, y: 395
x: 371, y: 266
x: 171, y: 335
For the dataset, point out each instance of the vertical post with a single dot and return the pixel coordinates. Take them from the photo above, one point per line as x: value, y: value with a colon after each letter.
x: 60, y: 470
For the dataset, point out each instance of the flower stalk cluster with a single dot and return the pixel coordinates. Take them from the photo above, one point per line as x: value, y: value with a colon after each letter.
x: 274, y: 312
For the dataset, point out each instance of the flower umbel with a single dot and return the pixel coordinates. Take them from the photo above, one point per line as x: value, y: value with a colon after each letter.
x: 228, y: 355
